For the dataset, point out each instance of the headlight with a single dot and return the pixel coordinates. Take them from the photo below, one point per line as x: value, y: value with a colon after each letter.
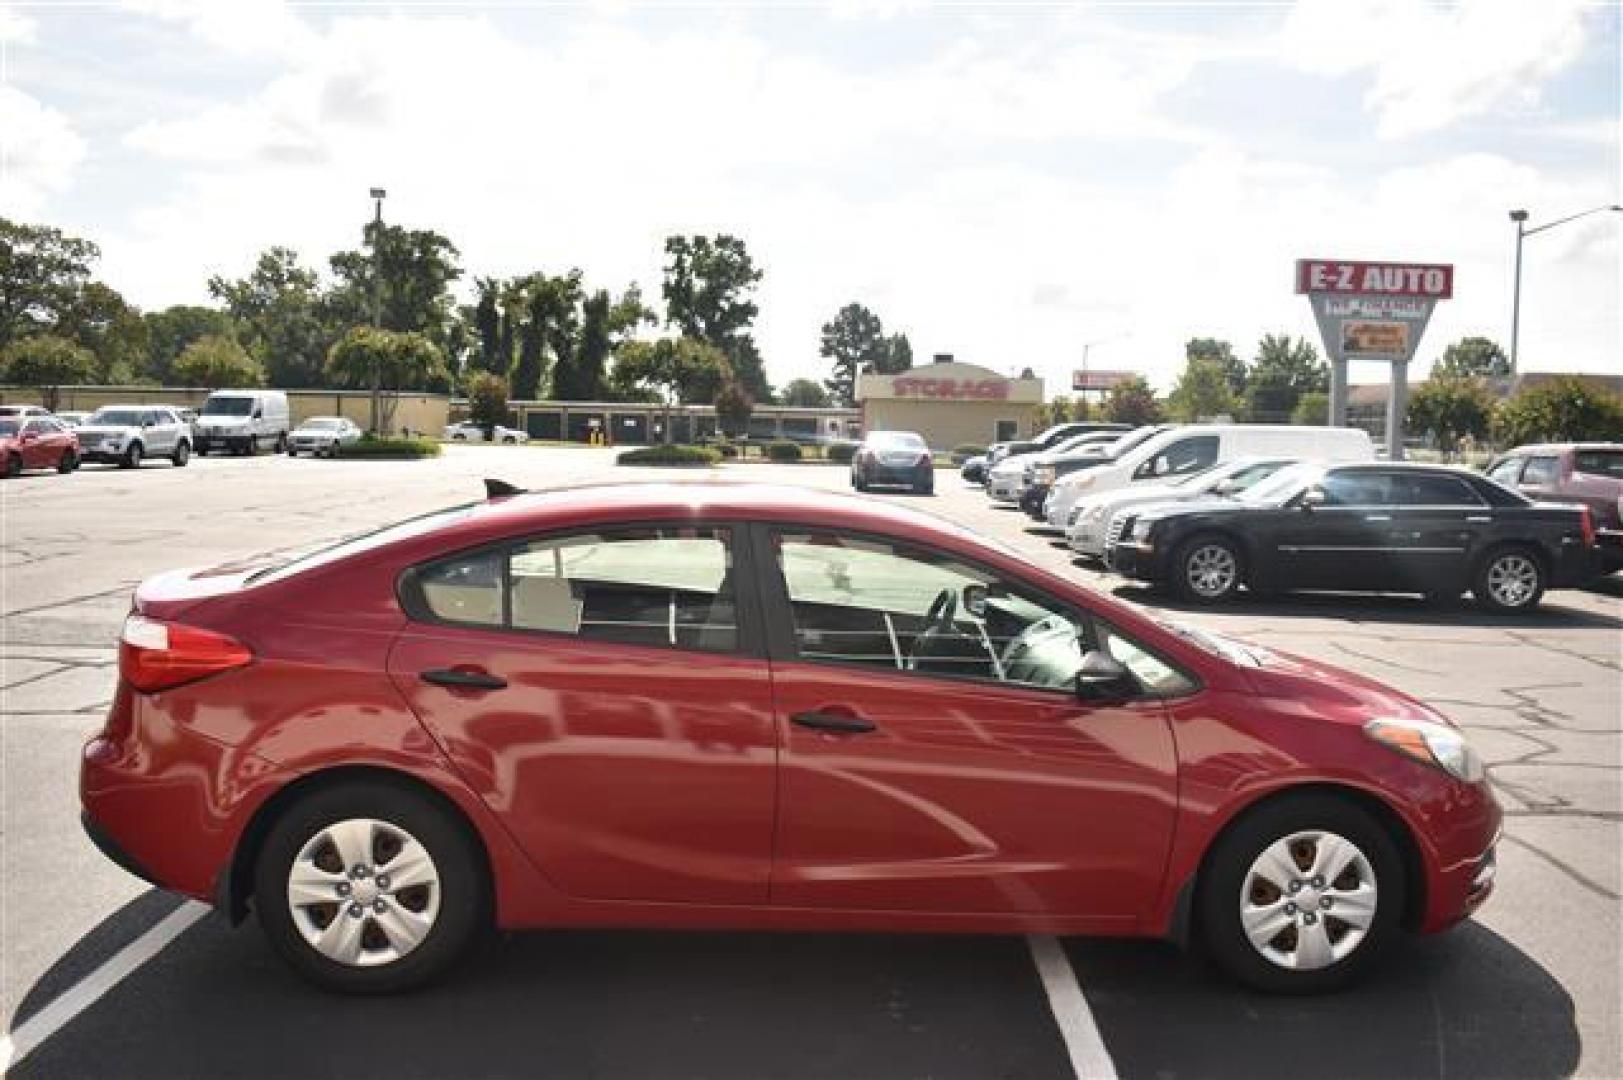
x: 1432, y: 744
x: 1095, y: 513
x: 1141, y: 529
x: 1085, y: 480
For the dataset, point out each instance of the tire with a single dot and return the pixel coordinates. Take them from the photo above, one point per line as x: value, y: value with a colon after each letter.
x: 250, y: 446
x: 293, y: 451
x: 1312, y: 951
x: 1198, y: 570
x: 281, y: 442
x: 67, y: 462
x: 456, y: 902
x: 510, y: 441
x: 1510, y: 580
x: 858, y: 483
x: 203, y: 448
x: 132, y: 456
x: 182, y: 454
x: 459, y: 437
x: 14, y: 466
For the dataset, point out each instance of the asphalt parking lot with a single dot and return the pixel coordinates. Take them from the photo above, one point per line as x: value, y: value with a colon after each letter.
x: 1530, y: 988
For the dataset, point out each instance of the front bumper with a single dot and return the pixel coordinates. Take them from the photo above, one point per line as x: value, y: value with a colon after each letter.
x: 1004, y: 488
x: 1135, y: 560
x: 1087, y: 536
x: 1033, y: 498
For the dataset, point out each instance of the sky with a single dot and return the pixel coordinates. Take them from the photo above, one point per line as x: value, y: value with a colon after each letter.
x: 1018, y: 184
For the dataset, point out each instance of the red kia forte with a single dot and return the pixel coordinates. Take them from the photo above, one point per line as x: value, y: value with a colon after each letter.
x: 706, y: 705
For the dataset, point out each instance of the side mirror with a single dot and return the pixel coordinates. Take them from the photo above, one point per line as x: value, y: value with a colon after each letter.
x: 1313, y: 498
x: 974, y: 600
x: 1104, y: 678
x: 1226, y: 486
x: 258, y: 415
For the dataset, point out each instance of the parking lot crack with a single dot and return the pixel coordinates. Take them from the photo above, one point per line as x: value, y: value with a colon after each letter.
x: 1591, y: 885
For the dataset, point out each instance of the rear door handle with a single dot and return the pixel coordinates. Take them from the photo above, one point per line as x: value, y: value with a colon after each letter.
x: 459, y: 679
x: 827, y: 721
x: 1479, y: 518
x: 1378, y: 517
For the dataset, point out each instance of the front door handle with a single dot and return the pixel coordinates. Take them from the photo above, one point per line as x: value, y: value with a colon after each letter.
x: 1378, y: 517
x: 459, y: 679
x: 837, y: 722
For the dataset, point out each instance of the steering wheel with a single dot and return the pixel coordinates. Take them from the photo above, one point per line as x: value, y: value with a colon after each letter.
x: 943, y: 609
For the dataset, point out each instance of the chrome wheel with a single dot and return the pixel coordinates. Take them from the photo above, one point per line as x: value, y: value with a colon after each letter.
x: 363, y: 892
x: 1512, y: 580
x: 1308, y: 900
x: 1211, y: 571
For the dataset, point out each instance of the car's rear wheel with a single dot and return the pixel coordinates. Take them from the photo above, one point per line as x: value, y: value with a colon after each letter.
x: 67, y: 462
x: 182, y: 454
x: 1509, y: 581
x: 1300, y: 895
x: 370, y: 888
x: 132, y: 456
x: 281, y: 443
x: 1207, y: 569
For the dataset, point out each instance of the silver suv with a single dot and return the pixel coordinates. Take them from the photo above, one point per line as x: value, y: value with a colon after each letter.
x: 124, y: 435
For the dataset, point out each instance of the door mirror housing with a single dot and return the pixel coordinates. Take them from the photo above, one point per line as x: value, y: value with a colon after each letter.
x: 1313, y: 498
x: 259, y: 414
x: 974, y: 600
x: 1225, y: 486
x: 1104, y: 678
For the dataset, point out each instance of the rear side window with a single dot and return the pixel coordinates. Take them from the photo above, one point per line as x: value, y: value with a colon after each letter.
x: 1599, y: 463
x: 1541, y: 471
x: 671, y: 587
x: 1421, y: 489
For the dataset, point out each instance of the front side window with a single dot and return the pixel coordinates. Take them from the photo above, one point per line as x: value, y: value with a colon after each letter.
x: 1180, y: 458
x: 668, y: 587
x: 1541, y: 471
x: 1357, y: 488
x: 1507, y: 470
x: 871, y: 603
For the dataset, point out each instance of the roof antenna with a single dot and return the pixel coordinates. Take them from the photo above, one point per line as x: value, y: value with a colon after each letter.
x: 500, y: 489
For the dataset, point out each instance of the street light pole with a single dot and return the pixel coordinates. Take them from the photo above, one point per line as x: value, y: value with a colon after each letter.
x: 378, y: 195
x: 1522, y: 232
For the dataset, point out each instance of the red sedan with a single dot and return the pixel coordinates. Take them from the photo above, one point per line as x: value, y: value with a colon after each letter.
x: 706, y: 705
x: 36, y: 442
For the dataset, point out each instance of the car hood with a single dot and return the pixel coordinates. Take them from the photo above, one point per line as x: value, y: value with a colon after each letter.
x: 1204, y: 504
x: 1111, y: 501
x: 105, y: 429
x: 1325, y: 692
x: 331, y: 433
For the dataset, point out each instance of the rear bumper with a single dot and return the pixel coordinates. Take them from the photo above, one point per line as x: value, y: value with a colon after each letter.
x: 1609, y: 550
x: 909, y: 475
x: 1003, y: 488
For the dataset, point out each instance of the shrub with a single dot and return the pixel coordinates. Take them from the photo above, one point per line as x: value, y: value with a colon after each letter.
x: 487, y: 400
x: 842, y: 452
x: 669, y: 455
x: 1563, y: 409
x: 783, y: 450
x: 371, y: 446
x: 964, y: 451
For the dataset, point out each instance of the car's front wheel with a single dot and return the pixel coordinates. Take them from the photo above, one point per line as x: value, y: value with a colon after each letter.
x: 1301, y: 894
x: 1207, y: 569
x: 370, y: 888
x: 182, y: 454
x: 14, y: 466
x: 67, y: 462
x: 1509, y: 581
x: 132, y: 456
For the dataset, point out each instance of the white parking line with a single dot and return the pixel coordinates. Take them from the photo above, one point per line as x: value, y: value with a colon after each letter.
x: 24, y: 1040
x: 1089, y: 1058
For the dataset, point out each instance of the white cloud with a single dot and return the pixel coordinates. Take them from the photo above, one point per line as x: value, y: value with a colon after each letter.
x: 39, y: 151
x: 1434, y: 64
x: 15, y: 26
x: 237, y: 27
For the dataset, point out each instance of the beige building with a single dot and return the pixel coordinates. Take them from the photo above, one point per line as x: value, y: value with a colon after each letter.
x: 950, y: 404
x: 413, y: 411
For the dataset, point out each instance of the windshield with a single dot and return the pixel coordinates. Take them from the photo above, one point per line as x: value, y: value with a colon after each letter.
x: 228, y: 406
x: 117, y: 417
x: 887, y: 440
x: 9, y: 428
x: 1282, y: 486
x: 1130, y: 440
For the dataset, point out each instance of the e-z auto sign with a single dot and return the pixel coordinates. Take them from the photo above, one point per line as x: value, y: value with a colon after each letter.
x: 1432, y: 281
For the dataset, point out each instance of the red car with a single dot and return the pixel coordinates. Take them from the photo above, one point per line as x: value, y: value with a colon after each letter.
x: 707, y: 705
x: 37, y: 442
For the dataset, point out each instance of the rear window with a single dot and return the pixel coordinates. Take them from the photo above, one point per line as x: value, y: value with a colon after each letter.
x: 1541, y: 470
x: 1599, y: 463
x: 900, y: 440
x: 367, y: 541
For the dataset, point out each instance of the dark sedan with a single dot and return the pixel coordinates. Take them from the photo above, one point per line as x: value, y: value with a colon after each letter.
x: 1362, y: 528
x: 893, y: 457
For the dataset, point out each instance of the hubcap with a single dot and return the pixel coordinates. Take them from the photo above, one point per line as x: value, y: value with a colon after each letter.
x: 1512, y: 580
x: 1308, y: 901
x: 363, y: 892
x: 1211, y: 570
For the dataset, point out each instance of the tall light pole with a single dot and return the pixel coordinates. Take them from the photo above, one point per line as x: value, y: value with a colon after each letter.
x: 378, y: 195
x: 1522, y: 232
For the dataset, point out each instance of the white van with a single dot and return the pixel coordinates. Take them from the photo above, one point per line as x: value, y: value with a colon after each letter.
x: 1190, y: 448
x: 243, y: 421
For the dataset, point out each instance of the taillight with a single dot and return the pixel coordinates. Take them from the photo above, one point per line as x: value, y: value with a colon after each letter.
x: 155, y: 655
x: 1586, y: 526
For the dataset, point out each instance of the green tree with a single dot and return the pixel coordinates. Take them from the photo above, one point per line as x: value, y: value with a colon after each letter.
x: 169, y: 332
x: 49, y: 362
x: 1132, y: 401
x: 398, y: 361
x: 1285, y: 368
x: 280, y: 317
x: 1564, y: 409
x: 487, y: 401
x: 805, y: 394
x: 677, y: 370
x: 709, y: 282
x: 1222, y: 353
x: 855, y: 341
x: 217, y: 362
x: 1450, y: 408
x: 42, y: 271
x: 1312, y: 409
x: 1202, y: 392
x: 1472, y: 357
x: 486, y: 317
x: 412, y: 270
x: 895, y: 357
x: 99, y: 319
x: 733, y: 408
